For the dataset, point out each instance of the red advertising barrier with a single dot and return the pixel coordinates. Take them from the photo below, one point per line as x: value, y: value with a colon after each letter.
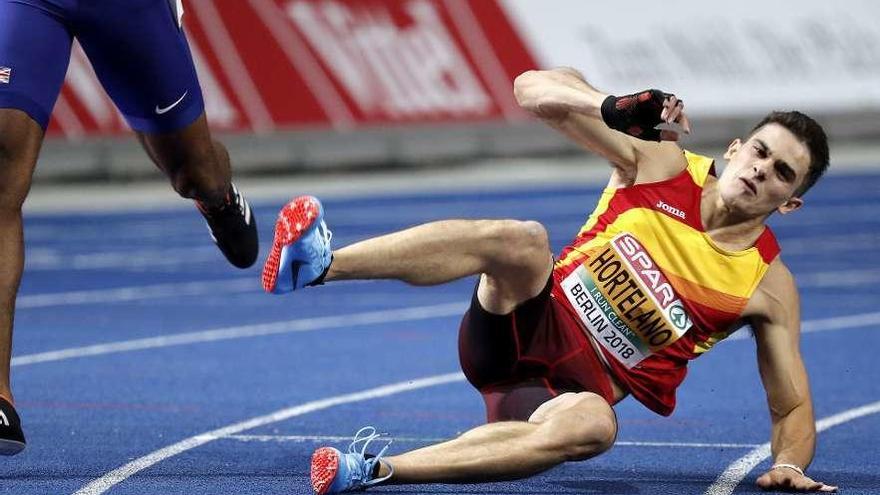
x: 269, y: 65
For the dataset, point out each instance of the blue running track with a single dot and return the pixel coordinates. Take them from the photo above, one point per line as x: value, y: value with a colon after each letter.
x: 144, y: 364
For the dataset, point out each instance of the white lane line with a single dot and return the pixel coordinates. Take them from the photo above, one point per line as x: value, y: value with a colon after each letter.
x: 50, y: 259
x: 841, y: 322
x: 334, y: 438
x: 839, y: 278
x: 120, y: 474
x: 688, y: 445
x: 810, y: 245
x: 132, y: 231
x: 137, y: 293
x: 238, y: 332
x: 318, y: 438
x: 824, y: 324
x: 158, y: 291
x: 365, y: 318
x: 727, y: 482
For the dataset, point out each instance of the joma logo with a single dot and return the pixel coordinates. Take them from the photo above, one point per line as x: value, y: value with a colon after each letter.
x: 670, y: 209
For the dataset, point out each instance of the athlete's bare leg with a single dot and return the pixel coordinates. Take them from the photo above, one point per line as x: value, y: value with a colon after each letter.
x: 197, y: 166
x: 514, y: 261
x: 20, y: 140
x: 513, y: 257
x: 570, y: 427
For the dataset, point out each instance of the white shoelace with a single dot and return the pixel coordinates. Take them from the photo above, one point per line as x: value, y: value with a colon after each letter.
x: 365, y: 436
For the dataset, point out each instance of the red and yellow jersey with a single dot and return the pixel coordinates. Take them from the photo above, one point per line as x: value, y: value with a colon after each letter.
x: 651, y: 287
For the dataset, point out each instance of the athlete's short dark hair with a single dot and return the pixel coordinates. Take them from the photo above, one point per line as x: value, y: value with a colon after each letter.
x: 809, y: 132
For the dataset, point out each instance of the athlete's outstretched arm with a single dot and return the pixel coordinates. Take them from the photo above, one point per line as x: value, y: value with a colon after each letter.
x: 564, y: 100
x: 775, y: 317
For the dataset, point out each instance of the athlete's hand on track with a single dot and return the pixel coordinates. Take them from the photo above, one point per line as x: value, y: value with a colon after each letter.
x: 638, y: 114
x: 789, y: 480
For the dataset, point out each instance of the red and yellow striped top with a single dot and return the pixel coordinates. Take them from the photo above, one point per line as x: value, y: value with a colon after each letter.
x: 650, y: 285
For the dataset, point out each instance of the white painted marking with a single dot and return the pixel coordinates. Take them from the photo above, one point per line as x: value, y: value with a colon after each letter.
x: 841, y: 322
x: 810, y: 245
x: 313, y: 74
x: 237, y: 73
x: 147, y: 258
x: 122, y: 473
x: 45, y: 235
x: 825, y: 324
x: 839, y: 215
x: 487, y: 60
x: 137, y: 293
x: 838, y: 278
x: 688, y: 445
x: 318, y: 438
x: 67, y: 119
x: 366, y: 318
x: 238, y: 332
x: 335, y: 438
x: 727, y: 482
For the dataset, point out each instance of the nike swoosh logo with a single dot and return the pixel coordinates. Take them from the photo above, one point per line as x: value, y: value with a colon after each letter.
x: 160, y: 111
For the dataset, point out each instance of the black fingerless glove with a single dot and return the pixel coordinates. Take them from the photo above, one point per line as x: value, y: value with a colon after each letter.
x: 636, y: 114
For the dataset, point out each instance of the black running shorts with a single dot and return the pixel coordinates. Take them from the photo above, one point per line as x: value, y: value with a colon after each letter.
x: 522, y: 359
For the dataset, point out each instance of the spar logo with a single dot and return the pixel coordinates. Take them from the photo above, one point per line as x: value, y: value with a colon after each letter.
x: 651, y: 276
x: 638, y: 292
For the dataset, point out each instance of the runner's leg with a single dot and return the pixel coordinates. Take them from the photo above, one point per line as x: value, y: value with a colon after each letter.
x: 34, y: 53
x: 570, y: 427
x: 141, y: 55
x: 513, y: 257
x: 20, y: 140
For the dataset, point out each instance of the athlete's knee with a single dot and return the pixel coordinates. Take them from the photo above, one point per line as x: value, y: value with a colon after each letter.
x: 596, y: 436
x: 200, y: 173
x: 185, y: 183
x: 534, y: 237
x: 583, y: 430
x: 589, y: 439
x: 520, y: 243
x: 196, y: 165
x: 16, y: 169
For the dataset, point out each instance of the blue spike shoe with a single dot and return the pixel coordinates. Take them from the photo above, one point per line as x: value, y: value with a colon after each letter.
x: 301, y: 250
x: 336, y: 472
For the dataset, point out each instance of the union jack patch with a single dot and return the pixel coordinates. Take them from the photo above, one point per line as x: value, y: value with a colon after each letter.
x: 5, y: 74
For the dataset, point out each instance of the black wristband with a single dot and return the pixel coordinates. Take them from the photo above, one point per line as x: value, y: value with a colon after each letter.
x: 609, y: 115
x: 636, y: 114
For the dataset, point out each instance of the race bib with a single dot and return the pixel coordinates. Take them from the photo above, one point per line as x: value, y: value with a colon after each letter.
x: 626, y: 302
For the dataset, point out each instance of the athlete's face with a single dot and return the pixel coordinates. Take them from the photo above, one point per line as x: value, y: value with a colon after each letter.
x: 763, y: 173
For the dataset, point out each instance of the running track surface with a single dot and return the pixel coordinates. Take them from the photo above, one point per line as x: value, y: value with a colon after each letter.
x: 144, y: 364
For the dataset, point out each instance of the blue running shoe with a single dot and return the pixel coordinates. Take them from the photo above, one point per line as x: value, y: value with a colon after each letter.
x: 301, y: 250
x: 335, y: 472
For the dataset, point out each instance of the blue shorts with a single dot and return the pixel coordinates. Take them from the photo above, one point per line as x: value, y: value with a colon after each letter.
x: 136, y: 47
